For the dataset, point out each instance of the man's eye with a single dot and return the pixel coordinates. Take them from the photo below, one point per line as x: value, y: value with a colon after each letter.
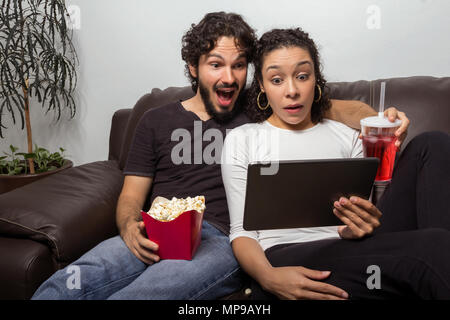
x: 214, y: 65
x: 239, y: 66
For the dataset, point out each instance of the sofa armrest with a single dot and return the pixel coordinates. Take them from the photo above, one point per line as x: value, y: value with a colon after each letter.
x: 26, y: 264
x: 71, y: 211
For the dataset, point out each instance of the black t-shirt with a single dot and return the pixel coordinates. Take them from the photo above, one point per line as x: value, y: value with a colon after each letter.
x: 178, y: 149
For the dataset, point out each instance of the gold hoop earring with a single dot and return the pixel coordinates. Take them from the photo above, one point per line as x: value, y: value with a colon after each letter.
x: 320, y: 93
x: 259, y: 105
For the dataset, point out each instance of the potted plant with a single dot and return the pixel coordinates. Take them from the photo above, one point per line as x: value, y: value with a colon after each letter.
x: 15, y: 172
x: 37, y: 62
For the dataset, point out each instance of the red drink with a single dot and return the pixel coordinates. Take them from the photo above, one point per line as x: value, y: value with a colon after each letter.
x: 379, y: 141
x: 383, y: 147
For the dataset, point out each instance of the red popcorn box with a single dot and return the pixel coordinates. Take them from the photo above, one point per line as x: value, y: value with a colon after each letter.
x: 178, y: 238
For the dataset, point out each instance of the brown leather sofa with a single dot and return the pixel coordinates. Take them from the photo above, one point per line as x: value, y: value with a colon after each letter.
x: 50, y: 223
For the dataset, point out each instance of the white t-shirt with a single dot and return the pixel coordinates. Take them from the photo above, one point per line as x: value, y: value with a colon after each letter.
x: 260, y: 142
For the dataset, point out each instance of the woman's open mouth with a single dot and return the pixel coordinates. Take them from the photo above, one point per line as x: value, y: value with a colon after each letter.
x: 225, y: 96
x: 293, y: 108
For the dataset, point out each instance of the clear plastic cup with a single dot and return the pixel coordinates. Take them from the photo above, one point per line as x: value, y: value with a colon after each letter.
x: 379, y: 141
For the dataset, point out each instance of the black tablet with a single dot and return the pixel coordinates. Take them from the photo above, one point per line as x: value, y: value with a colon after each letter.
x: 300, y: 194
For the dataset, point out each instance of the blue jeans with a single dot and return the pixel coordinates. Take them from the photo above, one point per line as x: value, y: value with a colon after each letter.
x: 111, y: 271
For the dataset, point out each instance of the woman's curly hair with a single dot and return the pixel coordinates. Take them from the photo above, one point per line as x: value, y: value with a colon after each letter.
x: 285, y: 38
x: 202, y: 38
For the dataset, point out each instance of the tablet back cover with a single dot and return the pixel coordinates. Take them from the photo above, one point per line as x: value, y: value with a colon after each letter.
x: 301, y: 194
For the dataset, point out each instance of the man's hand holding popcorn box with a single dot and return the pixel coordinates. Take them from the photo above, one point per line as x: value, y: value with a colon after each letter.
x: 175, y: 225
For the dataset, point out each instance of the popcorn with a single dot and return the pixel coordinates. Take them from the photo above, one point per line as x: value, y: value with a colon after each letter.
x: 167, y: 210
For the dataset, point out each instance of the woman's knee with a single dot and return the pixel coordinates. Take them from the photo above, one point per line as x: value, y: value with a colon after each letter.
x: 431, y: 139
x: 432, y: 241
x: 437, y: 236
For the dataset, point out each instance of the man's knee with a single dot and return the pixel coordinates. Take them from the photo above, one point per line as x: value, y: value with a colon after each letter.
x: 58, y: 285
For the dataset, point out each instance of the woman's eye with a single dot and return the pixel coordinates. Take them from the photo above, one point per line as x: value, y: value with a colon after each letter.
x: 214, y: 65
x: 276, y: 81
x: 302, y: 77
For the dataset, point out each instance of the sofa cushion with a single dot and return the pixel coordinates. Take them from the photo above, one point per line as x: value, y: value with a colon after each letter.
x: 71, y: 211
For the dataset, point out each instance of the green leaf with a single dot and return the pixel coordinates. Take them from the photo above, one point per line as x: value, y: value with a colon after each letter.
x: 29, y: 155
x: 45, y: 154
x: 18, y: 170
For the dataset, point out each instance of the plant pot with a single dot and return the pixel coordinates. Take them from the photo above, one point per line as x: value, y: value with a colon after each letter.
x: 8, y: 183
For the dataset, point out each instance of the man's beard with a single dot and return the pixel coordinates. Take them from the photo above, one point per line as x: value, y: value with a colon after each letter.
x: 224, y: 116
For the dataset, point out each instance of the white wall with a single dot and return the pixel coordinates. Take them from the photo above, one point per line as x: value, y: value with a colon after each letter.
x: 128, y: 47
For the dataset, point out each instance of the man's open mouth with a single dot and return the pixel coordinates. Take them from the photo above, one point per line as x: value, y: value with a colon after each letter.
x: 225, y: 96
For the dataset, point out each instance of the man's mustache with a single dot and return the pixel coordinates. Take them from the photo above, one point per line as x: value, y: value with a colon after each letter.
x: 227, y: 86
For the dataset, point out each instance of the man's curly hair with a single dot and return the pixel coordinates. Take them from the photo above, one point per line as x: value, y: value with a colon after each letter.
x: 202, y: 38
x: 285, y: 38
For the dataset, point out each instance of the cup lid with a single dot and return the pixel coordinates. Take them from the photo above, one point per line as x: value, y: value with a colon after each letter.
x: 380, y: 122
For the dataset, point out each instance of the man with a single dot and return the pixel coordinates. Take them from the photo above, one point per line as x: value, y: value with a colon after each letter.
x: 217, y: 52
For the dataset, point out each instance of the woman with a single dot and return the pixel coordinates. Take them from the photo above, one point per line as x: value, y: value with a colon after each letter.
x: 288, y: 99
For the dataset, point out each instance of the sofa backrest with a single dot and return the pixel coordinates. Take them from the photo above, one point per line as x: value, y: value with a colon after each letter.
x: 151, y: 100
x: 425, y: 100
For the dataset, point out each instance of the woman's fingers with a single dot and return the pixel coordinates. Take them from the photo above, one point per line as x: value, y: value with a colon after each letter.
x: 311, y: 295
x: 320, y: 290
x: 392, y: 114
x: 310, y: 288
x: 325, y: 290
x: 359, y: 210
x: 303, y: 283
x: 402, y: 132
x: 350, y: 230
x: 359, y: 215
x: 314, y: 274
x: 354, y: 215
x: 367, y: 206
